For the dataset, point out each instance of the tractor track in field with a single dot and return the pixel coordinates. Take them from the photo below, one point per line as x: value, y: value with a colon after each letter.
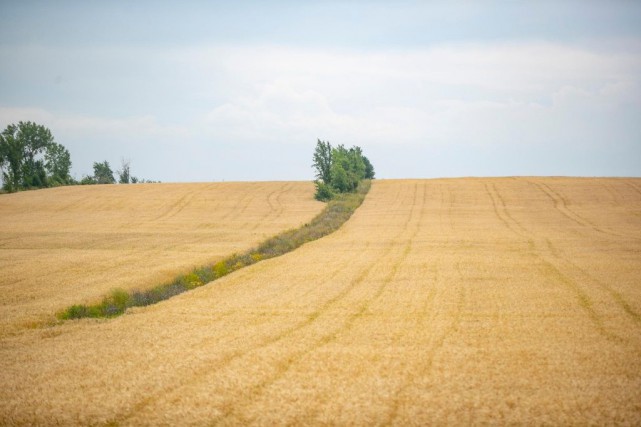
x: 561, y: 204
x: 275, y: 205
x: 622, y: 302
x: 484, y: 301
x: 550, y: 258
x: 425, y: 355
x: 176, y: 207
x: 636, y: 188
x: 207, y: 368
x: 283, y: 366
x: 501, y: 212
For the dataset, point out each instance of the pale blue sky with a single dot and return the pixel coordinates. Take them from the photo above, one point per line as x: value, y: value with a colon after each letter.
x: 202, y: 91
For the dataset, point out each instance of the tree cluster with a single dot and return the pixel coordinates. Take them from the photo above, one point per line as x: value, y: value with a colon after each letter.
x: 103, y: 174
x: 339, y: 169
x: 30, y: 158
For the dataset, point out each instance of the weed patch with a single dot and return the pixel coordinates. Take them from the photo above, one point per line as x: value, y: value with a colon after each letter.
x: 335, y: 214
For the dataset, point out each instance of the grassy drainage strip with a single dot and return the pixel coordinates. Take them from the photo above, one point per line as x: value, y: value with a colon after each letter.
x: 337, y: 211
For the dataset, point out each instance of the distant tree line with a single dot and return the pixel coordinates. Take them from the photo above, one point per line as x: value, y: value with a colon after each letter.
x: 103, y: 174
x: 30, y: 158
x: 339, y: 169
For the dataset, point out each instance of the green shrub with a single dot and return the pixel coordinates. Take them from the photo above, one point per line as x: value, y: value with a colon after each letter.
x: 192, y: 281
x: 119, y: 297
x: 116, y: 303
x: 77, y: 311
x: 324, y: 191
x: 221, y: 269
x: 205, y: 274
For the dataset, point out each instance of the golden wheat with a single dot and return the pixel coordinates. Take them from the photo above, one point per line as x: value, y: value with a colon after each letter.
x: 74, y: 244
x: 462, y: 301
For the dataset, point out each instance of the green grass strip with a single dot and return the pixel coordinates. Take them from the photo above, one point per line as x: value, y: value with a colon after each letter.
x: 337, y: 211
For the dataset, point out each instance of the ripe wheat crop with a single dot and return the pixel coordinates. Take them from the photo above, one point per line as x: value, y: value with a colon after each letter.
x: 458, y: 301
x: 73, y: 245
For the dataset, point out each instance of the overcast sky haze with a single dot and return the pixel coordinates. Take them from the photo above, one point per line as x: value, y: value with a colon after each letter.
x: 211, y: 91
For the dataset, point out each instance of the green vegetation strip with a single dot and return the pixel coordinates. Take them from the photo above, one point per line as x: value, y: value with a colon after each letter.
x: 337, y: 211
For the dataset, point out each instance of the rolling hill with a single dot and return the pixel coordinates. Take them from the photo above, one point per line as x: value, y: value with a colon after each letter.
x: 453, y: 301
x: 70, y: 245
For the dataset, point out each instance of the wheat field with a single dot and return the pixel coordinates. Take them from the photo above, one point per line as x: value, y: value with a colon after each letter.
x: 72, y: 245
x: 454, y: 301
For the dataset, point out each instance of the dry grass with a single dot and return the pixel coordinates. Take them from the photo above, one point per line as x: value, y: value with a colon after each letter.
x: 443, y: 301
x: 71, y: 245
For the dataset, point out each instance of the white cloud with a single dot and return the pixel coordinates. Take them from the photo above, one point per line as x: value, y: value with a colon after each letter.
x: 450, y: 94
x: 466, y: 95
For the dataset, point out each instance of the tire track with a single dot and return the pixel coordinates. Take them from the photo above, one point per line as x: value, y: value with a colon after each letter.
x: 240, y: 206
x: 521, y: 230
x: 616, y: 296
x: 286, y: 363
x: 360, y: 255
x: 502, y: 214
x: 605, y: 231
x: 176, y: 207
x: 614, y: 192
x: 81, y: 200
x: 335, y: 273
x: 426, y: 356
x: 449, y: 208
x: 584, y: 300
x: 634, y: 187
x: 582, y: 297
x: 207, y: 368
x: 276, y: 207
x: 561, y: 205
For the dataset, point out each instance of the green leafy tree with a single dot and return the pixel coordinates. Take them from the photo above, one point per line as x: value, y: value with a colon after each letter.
x: 11, y: 158
x: 88, y: 180
x: 58, y: 164
x: 323, y: 161
x: 369, y: 169
x: 21, y: 147
x: 357, y: 161
x: 340, y: 179
x: 339, y: 169
x: 102, y: 173
x: 347, y: 167
x: 35, y: 139
x: 34, y: 174
x: 324, y: 192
